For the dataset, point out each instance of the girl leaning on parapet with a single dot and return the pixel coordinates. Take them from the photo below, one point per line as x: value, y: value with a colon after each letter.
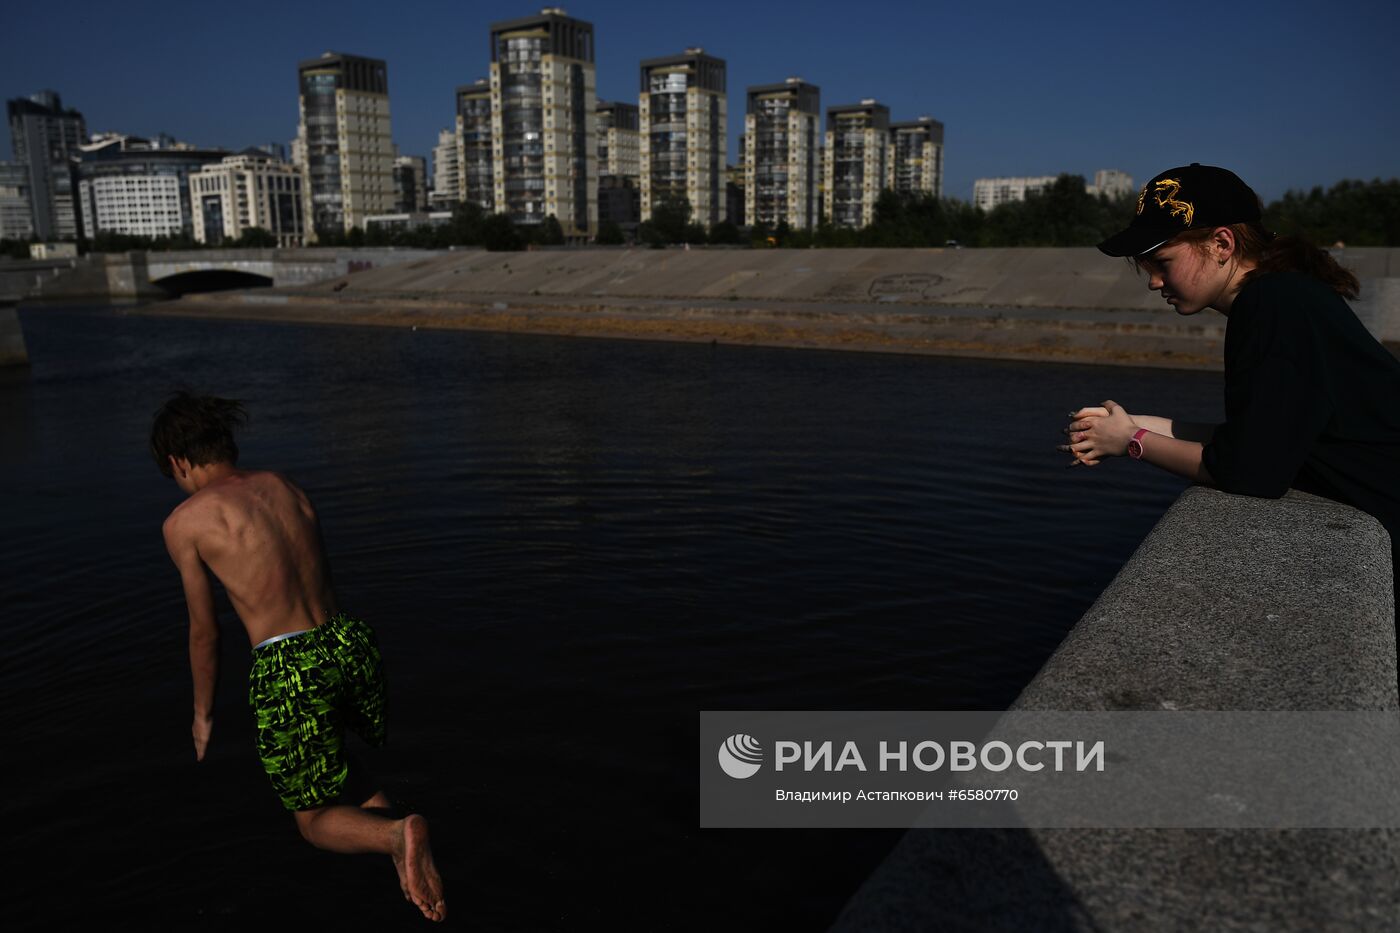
x: 1312, y: 399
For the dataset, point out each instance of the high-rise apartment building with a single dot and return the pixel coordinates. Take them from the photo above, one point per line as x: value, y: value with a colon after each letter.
x: 619, y: 164
x: 543, y: 121
x: 619, y: 140
x: 447, y: 174
x: 738, y: 184
x: 348, y: 171
x: 240, y: 192
x: 684, y: 112
x: 474, y: 158
x: 856, y: 161
x: 734, y: 194
x: 46, y: 138
x: 916, y: 151
x: 410, y: 184
x: 782, y: 147
x: 16, y: 215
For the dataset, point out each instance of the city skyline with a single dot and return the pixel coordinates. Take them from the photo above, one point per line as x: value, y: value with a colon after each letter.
x: 1022, y: 90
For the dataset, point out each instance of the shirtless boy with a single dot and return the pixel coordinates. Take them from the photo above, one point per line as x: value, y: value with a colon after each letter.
x: 315, y: 670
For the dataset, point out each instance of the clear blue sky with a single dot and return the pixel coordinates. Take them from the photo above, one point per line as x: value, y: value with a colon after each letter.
x: 1288, y: 94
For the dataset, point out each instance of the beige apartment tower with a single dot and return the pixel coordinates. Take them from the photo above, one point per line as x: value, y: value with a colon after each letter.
x: 447, y: 174
x: 619, y: 140
x: 916, y: 163
x: 543, y: 132
x: 348, y: 172
x: 474, y: 158
x: 782, y: 154
x: 856, y: 162
x: 684, y: 112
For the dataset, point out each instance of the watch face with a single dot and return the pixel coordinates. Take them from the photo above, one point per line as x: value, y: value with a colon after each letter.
x: 1135, y: 448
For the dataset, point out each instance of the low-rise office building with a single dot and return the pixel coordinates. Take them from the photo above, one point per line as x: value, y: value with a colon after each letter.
x: 407, y: 220
x: 987, y: 193
x: 1111, y: 183
x: 246, y: 191
x: 132, y: 186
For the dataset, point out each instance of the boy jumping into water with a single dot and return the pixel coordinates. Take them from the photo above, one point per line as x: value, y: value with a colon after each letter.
x: 315, y: 670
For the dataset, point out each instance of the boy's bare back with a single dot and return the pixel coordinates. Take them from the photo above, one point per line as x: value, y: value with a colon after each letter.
x: 258, y: 533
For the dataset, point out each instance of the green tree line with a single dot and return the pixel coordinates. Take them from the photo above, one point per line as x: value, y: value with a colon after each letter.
x: 1354, y: 213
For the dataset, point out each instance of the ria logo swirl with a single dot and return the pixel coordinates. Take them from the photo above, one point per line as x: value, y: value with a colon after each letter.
x: 740, y: 756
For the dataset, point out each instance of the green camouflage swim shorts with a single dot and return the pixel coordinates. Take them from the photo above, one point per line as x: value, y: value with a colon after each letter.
x: 305, y: 690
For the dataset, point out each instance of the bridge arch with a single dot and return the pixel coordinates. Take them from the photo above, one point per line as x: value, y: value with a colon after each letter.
x: 211, y: 280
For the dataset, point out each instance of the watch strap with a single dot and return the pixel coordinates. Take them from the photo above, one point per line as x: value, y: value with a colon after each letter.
x: 1135, y: 445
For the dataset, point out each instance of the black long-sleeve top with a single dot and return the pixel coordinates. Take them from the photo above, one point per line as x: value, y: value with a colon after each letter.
x: 1312, y: 401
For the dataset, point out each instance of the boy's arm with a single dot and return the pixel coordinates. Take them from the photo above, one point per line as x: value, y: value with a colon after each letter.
x: 204, y: 629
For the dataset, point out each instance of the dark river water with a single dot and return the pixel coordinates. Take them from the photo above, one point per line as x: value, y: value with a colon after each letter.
x: 568, y: 548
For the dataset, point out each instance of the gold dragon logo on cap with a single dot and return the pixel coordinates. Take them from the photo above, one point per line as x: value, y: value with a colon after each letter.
x: 1164, y: 194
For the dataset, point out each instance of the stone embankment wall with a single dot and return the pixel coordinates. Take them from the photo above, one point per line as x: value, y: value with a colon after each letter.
x: 995, y: 278
x: 21, y: 277
x: 135, y: 275
x: 17, y: 279
x: 1231, y: 603
x: 1064, y: 305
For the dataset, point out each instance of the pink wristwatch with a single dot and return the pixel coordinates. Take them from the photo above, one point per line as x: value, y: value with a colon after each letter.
x: 1135, y: 445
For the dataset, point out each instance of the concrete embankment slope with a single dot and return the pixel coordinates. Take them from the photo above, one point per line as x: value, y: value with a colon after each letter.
x: 151, y: 276
x: 1232, y: 603
x: 1044, y: 304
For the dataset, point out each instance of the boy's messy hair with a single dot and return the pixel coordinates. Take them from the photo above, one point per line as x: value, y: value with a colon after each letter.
x: 198, y: 428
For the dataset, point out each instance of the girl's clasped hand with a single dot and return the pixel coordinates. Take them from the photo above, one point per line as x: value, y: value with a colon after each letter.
x: 1098, y: 431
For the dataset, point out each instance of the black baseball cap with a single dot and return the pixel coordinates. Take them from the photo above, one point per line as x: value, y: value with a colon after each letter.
x: 1185, y: 198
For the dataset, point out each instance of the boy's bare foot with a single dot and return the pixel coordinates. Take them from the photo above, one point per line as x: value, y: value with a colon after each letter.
x: 418, y: 876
